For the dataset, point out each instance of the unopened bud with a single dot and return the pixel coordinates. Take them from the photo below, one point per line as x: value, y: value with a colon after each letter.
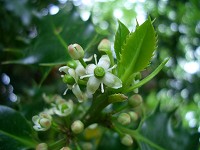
x: 135, y: 100
x: 42, y: 146
x: 124, y: 119
x: 127, y: 140
x: 65, y: 148
x: 42, y: 122
x: 76, y: 51
x: 133, y: 115
x: 77, y: 126
x: 104, y: 45
x: 87, y: 146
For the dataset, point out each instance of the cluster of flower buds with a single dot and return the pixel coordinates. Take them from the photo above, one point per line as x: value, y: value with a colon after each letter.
x: 60, y: 107
x: 92, y: 76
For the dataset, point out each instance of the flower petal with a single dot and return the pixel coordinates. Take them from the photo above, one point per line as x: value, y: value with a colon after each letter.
x: 80, y: 70
x: 64, y: 69
x: 90, y: 69
x: 112, y: 81
x: 92, y: 85
x: 78, y: 93
x: 104, y: 62
x: 73, y: 74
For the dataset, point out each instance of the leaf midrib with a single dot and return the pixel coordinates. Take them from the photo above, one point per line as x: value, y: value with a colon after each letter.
x: 21, y: 140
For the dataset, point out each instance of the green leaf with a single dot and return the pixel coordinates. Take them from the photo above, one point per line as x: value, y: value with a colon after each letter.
x: 15, y: 132
x: 160, y: 129
x: 55, y: 33
x: 120, y: 37
x: 137, y: 50
x: 148, y: 78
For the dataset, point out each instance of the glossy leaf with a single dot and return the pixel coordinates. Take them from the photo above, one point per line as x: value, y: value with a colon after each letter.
x: 137, y: 50
x: 160, y: 130
x: 55, y: 33
x: 120, y: 37
x: 15, y: 132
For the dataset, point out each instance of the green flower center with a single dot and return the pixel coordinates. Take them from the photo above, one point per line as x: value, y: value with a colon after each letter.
x: 99, y: 72
x: 68, y: 79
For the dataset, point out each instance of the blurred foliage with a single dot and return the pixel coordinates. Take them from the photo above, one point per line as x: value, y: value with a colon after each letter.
x: 33, y: 43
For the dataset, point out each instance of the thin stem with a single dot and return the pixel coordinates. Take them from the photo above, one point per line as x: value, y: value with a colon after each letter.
x: 148, y: 78
x: 82, y: 62
x: 58, y: 144
x: 118, y: 110
x: 109, y: 53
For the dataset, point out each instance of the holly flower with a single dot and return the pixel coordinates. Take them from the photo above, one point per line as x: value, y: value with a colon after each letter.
x: 62, y: 107
x: 42, y: 122
x: 71, y: 78
x: 99, y: 74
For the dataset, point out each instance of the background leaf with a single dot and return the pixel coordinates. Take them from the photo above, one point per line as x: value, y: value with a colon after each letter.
x: 120, y: 37
x: 138, y: 49
x: 55, y: 33
x: 160, y: 128
x: 15, y: 132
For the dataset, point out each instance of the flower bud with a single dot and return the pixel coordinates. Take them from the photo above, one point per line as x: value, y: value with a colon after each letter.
x: 63, y: 108
x: 42, y: 146
x: 76, y: 51
x: 133, y: 115
x: 77, y: 127
x: 127, y: 140
x: 135, y: 100
x: 42, y: 122
x: 124, y: 119
x: 104, y: 45
x: 65, y: 148
x: 87, y: 146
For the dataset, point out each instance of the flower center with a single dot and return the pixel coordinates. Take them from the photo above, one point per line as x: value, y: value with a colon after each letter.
x: 99, y: 72
x: 68, y: 79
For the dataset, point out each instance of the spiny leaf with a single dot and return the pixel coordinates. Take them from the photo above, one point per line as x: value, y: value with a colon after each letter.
x: 120, y: 37
x: 137, y: 50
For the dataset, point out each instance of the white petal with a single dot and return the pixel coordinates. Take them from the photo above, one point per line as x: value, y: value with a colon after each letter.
x: 92, y: 85
x: 80, y: 70
x: 90, y: 69
x: 35, y: 119
x: 73, y: 74
x: 64, y: 69
x: 78, y: 93
x: 112, y: 81
x: 104, y: 62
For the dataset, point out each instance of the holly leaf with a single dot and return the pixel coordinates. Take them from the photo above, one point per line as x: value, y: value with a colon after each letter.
x: 15, y: 132
x: 55, y: 33
x: 120, y: 37
x: 137, y: 50
x: 159, y: 128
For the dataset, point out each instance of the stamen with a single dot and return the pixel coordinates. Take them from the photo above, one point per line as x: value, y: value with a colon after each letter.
x: 62, y: 68
x: 102, y: 88
x: 85, y: 76
x: 65, y: 92
x: 88, y: 59
x: 113, y: 67
x: 95, y: 59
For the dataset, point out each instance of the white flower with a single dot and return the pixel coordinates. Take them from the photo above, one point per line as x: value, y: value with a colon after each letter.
x: 42, y: 122
x: 99, y: 74
x: 62, y: 107
x: 71, y: 77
